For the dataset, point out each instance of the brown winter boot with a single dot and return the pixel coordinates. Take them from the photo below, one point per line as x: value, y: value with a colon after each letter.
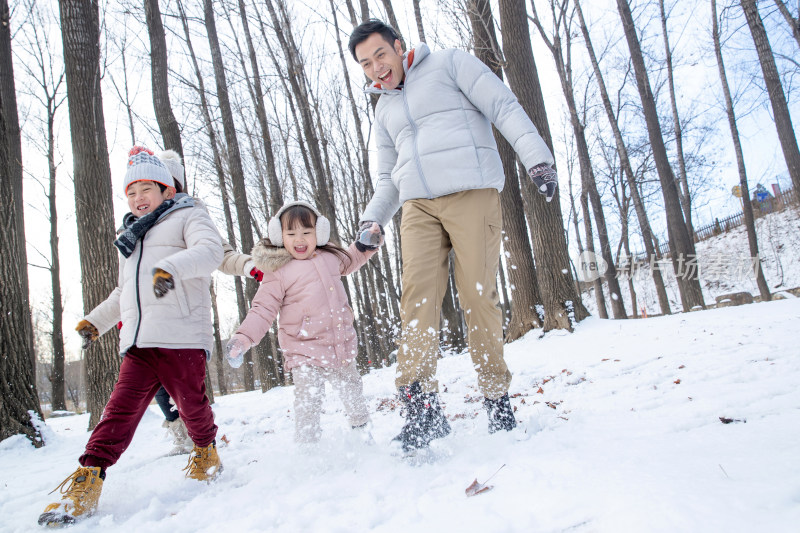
x: 204, y: 464
x: 79, y: 501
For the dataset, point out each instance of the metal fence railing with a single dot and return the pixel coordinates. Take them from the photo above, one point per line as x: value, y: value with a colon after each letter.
x: 722, y: 225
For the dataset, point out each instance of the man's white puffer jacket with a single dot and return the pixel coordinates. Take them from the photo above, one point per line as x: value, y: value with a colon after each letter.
x: 434, y: 134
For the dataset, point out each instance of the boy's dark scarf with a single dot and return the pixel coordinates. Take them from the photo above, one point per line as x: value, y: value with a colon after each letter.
x: 135, y: 228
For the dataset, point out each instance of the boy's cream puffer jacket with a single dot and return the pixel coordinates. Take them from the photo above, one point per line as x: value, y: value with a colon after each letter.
x: 185, y: 243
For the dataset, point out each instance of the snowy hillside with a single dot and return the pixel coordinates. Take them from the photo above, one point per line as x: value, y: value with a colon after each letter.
x: 724, y: 261
x: 620, y: 431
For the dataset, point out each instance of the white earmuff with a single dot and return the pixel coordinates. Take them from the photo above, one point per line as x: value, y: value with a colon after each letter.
x: 275, y: 229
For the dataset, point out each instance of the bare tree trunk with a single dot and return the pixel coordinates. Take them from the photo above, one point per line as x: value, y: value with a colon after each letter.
x: 364, y: 10
x: 50, y: 78
x: 525, y: 295
x: 297, y: 80
x: 362, y: 145
x: 780, y: 109
x: 18, y: 395
x: 387, y: 5
x: 234, y: 165
x: 275, y: 192
x: 124, y: 93
x: 638, y: 203
x: 681, y: 243
x: 212, y: 137
x: 793, y: 23
x: 625, y: 241
x: 451, y: 333
x: 503, y: 289
x: 218, y: 350
x: 747, y: 207
x: 159, y: 76
x: 597, y: 282
x: 418, y: 18
x: 562, y: 54
x: 59, y: 402
x: 80, y: 32
x: 562, y: 303
x: 683, y: 190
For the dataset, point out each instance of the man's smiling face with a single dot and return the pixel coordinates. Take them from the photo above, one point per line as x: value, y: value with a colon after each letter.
x: 382, y: 61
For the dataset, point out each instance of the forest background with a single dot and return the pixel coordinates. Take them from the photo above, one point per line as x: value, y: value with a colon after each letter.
x: 298, y: 126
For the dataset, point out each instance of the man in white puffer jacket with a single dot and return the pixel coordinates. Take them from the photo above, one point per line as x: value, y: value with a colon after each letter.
x: 437, y: 158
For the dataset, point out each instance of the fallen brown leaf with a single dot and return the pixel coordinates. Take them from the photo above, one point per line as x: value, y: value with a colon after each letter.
x: 477, y: 488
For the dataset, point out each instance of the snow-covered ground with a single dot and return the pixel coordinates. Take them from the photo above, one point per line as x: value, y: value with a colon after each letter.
x: 725, y: 266
x: 619, y: 431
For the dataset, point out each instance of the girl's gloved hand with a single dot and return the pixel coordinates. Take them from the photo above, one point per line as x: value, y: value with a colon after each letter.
x: 235, y: 350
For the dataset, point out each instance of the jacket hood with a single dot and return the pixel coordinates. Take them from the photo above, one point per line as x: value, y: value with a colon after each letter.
x: 411, y: 59
x: 267, y: 257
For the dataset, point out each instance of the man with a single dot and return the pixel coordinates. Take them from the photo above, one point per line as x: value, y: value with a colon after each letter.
x: 437, y: 158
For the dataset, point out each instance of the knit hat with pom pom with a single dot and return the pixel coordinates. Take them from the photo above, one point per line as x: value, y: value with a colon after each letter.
x: 172, y: 161
x: 144, y: 166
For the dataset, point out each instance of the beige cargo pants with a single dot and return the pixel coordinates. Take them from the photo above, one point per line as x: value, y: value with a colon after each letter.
x: 470, y: 223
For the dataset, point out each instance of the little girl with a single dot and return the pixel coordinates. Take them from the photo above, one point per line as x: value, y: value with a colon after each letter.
x: 302, y: 282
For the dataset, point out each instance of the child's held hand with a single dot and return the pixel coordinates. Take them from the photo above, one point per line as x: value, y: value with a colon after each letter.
x: 89, y: 333
x: 370, y: 236
x: 235, y: 349
x: 163, y: 282
x: 256, y: 274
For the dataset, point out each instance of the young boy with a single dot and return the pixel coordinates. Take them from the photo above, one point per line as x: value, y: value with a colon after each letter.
x: 168, y: 251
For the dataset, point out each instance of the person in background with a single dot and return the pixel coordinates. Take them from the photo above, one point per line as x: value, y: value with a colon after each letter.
x: 169, y: 248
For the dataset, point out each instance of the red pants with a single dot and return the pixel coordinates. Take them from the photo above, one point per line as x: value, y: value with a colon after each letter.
x: 143, y: 372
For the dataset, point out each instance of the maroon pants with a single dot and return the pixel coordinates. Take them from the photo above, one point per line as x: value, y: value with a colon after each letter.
x: 143, y: 372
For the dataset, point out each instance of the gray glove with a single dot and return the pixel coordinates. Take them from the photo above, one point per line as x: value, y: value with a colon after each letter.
x: 368, y: 238
x: 545, y: 179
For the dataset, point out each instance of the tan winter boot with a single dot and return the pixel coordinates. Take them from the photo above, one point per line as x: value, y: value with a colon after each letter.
x: 180, y: 438
x: 204, y: 464
x: 79, y: 501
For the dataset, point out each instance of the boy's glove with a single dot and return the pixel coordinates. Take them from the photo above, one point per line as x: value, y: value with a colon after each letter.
x: 545, y: 179
x: 370, y: 236
x: 235, y: 349
x: 88, y: 332
x: 163, y: 282
x: 254, y: 273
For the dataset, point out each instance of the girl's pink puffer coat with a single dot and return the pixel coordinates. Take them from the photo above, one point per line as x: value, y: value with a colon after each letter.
x: 315, y: 325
